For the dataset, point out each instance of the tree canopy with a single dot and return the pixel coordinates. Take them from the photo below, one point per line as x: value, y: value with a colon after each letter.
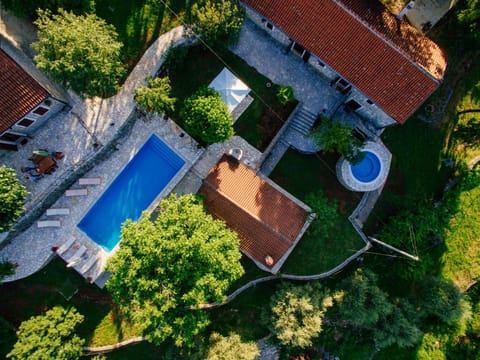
x: 231, y: 347
x: 218, y: 21
x: 12, y: 197
x: 207, y: 117
x: 165, y: 268
x: 49, y: 336
x: 296, y: 313
x: 81, y: 52
x: 156, y: 96
x: 28, y: 8
x: 334, y: 136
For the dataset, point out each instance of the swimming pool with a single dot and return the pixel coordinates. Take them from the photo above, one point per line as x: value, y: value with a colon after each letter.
x: 132, y: 191
x: 368, y: 168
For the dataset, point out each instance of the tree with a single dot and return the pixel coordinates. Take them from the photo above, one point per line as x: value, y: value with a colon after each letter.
x: 207, y: 117
x: 168, y: 267
x: 296, y: 313
x: 326, y: 214
x: 218, y: 21
x: 469, y: 18
x: 28, y: 8
x: 49, y: 336
x: 12, y: 197
x: 231, y: 347
x: 6, y: 269
x: 334, y: 136
x: 364, y: 306
x: 80, y: 52
x: 156, y: 96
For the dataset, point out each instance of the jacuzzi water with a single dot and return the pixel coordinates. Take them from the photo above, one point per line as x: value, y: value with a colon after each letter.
x: 368, y: 169
x: 132, y: 192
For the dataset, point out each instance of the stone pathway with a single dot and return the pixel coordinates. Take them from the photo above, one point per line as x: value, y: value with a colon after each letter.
x: 91, y: 121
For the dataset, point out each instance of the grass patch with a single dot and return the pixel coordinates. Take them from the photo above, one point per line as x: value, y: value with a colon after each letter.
x: 303, y: 174
x: 40, y: 292
x: 139, y: 22
x: 199, y: 66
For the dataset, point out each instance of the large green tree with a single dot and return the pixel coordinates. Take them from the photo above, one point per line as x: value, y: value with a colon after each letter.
x: 218, y: 21
x: 81, y: 52
x: 28, y: 8
x: 296, y: 314
x: 12, y: 197
x: 49, y: 336
x: 168, y: 267
x: 207, y: 117
x: 156, y: 96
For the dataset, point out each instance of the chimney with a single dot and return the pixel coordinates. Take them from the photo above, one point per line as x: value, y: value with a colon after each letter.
x: 406, y: 9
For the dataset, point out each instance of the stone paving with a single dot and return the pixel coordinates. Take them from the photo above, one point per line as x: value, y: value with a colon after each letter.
x: 89, y: 122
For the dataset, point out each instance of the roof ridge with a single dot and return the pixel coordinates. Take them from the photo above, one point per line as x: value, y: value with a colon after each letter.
x: 384, y: 39
x: 282, y: 237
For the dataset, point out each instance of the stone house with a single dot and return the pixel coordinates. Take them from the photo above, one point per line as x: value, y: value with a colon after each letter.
x: 383, y: 66
x: 25, y: 103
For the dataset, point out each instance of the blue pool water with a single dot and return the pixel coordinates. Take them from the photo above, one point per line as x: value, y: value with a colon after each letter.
x: 368, y: 169
x: 133, y: 190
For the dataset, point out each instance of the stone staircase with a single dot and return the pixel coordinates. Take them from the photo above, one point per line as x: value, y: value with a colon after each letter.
x: 303, y: 121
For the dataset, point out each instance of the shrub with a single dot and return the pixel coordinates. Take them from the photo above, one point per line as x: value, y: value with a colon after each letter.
x: 285, y: 95
x: 156, y: 96
x: 12, y: 197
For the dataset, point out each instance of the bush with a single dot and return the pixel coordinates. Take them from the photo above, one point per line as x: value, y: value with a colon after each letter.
x: 12, y: 197
x: 285, y: 95
x: 156, y: 96
x: 207, y: 117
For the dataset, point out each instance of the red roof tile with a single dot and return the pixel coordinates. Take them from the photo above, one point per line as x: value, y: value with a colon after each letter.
x: 19, y: 92
x: 387, y: 59
x: 266, y: 220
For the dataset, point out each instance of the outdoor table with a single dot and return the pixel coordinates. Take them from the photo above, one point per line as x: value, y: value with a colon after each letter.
x: 46, y: 165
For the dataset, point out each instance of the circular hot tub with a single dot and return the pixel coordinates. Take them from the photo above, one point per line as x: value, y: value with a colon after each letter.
x: 370, y: 173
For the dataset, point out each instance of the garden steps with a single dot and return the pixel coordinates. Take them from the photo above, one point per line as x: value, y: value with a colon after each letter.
x: 303, y: 121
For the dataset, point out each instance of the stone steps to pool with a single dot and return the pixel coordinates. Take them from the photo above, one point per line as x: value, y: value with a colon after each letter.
x: 303, y: 121
x: 169, y: 155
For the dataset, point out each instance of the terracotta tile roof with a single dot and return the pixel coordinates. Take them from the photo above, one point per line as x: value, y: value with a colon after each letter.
x: 388, y: 60
x: 266, y: 220
x: 19, y: 92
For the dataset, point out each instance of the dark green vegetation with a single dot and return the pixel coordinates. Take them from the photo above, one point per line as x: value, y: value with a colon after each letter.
x: 28, y: 8
x: 206, y: 116
x: 12, y: 197
x: 262, y: 119
x: 156, y: 96
x: 164, y: 268
x: 80, y: 52
x: 217, y: 21
x: 49, y: 336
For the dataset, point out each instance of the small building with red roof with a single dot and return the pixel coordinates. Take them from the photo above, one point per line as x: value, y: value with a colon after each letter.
x: 382, y: 65
x: 268, y: 220
x: 25, y: 103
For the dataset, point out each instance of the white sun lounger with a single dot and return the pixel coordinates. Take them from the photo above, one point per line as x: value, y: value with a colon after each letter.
x: 76, y: 192
x: 91, y: 260
x: 77, y: 256
x: 58, y: 211
x: 65, y: 246
x: 90, y: 181
x: 48, y: 223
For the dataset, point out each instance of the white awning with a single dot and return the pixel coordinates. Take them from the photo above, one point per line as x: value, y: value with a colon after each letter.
x: 231, y: 89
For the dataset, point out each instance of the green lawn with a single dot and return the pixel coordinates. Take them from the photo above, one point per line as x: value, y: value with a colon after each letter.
x: 139, y: 22
x: 197, y: 66
x: 302, y: 174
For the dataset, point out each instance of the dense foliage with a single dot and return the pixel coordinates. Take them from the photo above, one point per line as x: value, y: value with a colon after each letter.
x: 28, y: 8
x: 207, y: 117
x: 164, y: 268
x: 156, y: 96
x: 326, y: 214
x: 334, y: 136
x: 469, y: 18
x: 296, y: 314
x: 12, y: 197
x: 81, y: 52
x: 49, y: 336
x: 218, y: 21
x: 231, y: 347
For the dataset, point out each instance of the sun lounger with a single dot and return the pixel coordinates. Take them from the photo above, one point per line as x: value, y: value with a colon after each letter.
x: 58, y: 211
x: 90, y: 181
x: 65, y: 246
x: 77, y: 256
x: 76, y: 192
x: 88, y: 264
x: 48, y: 223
